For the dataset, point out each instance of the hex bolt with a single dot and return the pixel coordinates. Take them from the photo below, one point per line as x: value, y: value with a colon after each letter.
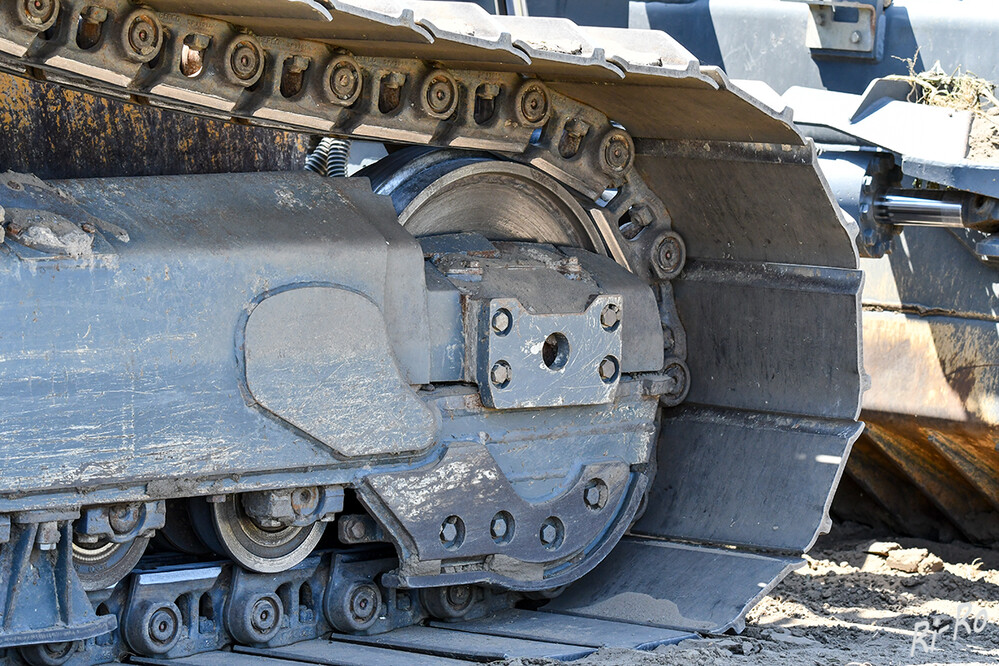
x: 610, y: 316
x: 608, y: 369
x: 533, y: 105
x: 357, y: 529
x: 498, y: 527
x: 592, y: 497
x: 452, y: 532
x: 123, y: 518
x: 855, y: 37
x: 39, y: 15
x: 501, y: 374
x: 48, y: 535
x: 641, y: 215
x: 449, y: 532
x: 548, y: 534
x: 488, y: 91
x: 502, y: 321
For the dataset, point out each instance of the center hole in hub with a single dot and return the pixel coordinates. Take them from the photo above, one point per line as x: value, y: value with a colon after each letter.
x: 555, y: 351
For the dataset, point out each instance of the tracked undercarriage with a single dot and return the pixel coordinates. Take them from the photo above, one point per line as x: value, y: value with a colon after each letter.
x: 602, y: 292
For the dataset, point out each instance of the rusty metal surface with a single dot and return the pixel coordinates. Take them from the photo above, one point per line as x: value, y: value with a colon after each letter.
x: 55, y: 132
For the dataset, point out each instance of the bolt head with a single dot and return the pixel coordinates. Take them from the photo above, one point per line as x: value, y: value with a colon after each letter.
x: 356, y: 529
x: 449, y: 532
x: 500, y: 374
x: 855, y: 37
x: 534, y: 104
x: 610, y: 316
x: 592, y: 496
x: 549, y: 534
x: 608, y: 369
x: 501, y: 322
x: 498, y: 527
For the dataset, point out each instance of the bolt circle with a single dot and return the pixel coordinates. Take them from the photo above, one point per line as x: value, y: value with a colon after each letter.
x: 502, y: 321
x: 343, y: 80
x: 609, y: 369
x: 501, y: 374
x: 440, y: 95
x: 532, y: 103
x: 142, y: 36
x: 246, y: 60
x: 617, y: 152
x: 669, y: 255
x: 39, y: 15
x: 610, y: 317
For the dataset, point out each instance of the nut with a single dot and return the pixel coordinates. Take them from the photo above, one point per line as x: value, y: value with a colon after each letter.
x: 548, y: 534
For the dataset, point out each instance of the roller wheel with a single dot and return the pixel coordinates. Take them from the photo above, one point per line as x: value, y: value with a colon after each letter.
x: 100, y: 565
x: 227, y: 529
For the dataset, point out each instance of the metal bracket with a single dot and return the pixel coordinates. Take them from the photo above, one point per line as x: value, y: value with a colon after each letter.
x: 846, y: 28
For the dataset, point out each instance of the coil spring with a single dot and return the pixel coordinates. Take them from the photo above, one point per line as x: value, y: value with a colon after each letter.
x: 329, y: 157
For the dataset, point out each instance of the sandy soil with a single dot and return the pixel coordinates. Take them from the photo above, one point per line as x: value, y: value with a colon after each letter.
x: 853, y: 606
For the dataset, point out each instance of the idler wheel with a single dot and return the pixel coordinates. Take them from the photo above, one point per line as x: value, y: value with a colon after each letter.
x: 103, y: 563
x: 227, y: 529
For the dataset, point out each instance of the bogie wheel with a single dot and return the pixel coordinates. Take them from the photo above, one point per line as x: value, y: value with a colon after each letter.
x: 227, y: 529
x: 103, y: 563
x: 48, y: 654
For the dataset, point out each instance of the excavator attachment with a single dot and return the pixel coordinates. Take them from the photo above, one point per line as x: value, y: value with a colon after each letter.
x: 577, y: 364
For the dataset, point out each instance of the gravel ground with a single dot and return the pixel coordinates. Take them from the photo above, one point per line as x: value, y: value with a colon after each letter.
x: 862, y: 599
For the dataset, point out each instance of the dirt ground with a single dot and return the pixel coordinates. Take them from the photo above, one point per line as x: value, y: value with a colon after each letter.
x: 853, y: 606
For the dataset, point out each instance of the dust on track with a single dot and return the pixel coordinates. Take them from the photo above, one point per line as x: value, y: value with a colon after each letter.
x: 849, y: 606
